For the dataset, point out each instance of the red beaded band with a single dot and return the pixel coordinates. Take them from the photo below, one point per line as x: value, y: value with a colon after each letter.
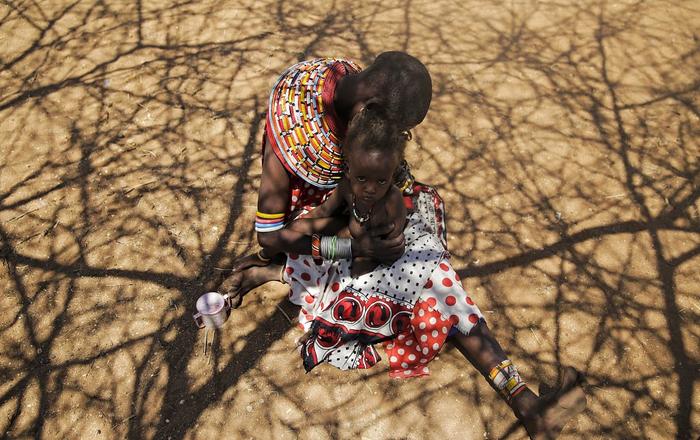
x: 316, y: 246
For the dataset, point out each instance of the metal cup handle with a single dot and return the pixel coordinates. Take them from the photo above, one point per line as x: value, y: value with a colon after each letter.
x: 198, y: 320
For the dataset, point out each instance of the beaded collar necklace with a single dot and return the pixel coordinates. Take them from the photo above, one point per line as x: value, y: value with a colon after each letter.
x: 361, y: 219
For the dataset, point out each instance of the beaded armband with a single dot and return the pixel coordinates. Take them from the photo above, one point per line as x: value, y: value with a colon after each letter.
x: 506, y: 379
x: 265, y: 222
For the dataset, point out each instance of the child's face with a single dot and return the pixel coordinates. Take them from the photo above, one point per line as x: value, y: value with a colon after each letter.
x: 370, y: 173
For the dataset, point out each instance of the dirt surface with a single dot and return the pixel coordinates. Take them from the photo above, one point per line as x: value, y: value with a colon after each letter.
x: 563, y: 137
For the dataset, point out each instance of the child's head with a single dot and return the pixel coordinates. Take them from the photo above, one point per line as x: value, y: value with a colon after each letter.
x: 401, y: 84
x: 373, y: 149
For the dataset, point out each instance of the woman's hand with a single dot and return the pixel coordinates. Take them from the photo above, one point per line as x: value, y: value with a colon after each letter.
x: 384, y: 250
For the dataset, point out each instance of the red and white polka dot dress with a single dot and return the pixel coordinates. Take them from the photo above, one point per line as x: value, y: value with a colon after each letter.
x: 442, y: 305
x: 412, y: 304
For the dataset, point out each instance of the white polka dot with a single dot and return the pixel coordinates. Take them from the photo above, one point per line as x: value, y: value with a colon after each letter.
x: 401, y: 337
x: 424, y: 338
x: 432, y: 321
x: 394, y: 359
x: 422, y: 325
x: 425, y: 369
x: 401, y: 351
x: 421, y: 312
x: 425, y: 350
x: 295, y: 199
x: 409, y: 343
x: 435, y: 333
x: 404, y: 365
x: 436, y: 346
x: 390, y: 346
x: 407, y: 372
x: 444, y: 330
x: 411, y: 357
x: 423, y: 361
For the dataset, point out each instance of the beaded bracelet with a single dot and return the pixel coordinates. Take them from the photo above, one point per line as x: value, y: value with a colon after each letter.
x: 265, y: 222
x: 316, y: 246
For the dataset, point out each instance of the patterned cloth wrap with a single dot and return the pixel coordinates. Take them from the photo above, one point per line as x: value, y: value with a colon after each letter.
x: 410, y: 306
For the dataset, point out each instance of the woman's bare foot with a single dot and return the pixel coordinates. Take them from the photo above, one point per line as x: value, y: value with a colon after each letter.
x: 241, y: 282
x: 254, y: 259
x: 557, y: 407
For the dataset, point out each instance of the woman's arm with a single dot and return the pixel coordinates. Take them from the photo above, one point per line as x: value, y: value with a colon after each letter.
x: 333, y: 205
x: 273, y: 197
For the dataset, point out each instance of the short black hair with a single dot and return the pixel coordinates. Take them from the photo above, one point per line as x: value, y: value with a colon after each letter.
x: 371, y: 129
x: 401, y: 84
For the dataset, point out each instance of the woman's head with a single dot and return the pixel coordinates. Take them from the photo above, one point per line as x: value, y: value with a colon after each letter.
x: 401, y: 84
x: 373, y: 149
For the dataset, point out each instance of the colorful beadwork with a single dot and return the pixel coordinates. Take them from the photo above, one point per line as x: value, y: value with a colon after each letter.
x: 302, y: 135
x: 268, y: 222
x: 316, y: 246
x: 506, y: 379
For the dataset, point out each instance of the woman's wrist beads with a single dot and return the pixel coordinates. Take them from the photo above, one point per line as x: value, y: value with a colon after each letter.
x: 331, y: 247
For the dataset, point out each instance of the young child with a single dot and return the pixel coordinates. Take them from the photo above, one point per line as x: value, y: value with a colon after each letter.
x: 373, y: 153
x: 349, y: 304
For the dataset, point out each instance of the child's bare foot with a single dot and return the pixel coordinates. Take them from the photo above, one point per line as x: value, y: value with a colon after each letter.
x: 240, y: 283
x: 557, y: 407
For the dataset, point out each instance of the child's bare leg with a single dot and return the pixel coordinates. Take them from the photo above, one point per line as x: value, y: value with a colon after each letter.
x: 361, y: 266
x: 543, y: 417
x: 240, y: 283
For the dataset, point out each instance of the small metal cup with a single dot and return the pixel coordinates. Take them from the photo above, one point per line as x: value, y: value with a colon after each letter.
x: 212, y: 310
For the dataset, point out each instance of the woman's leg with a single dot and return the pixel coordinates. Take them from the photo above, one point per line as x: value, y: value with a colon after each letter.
x: 543, y: 416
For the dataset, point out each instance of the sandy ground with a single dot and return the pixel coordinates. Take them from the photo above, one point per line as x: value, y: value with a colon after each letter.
x: 563, y: 137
